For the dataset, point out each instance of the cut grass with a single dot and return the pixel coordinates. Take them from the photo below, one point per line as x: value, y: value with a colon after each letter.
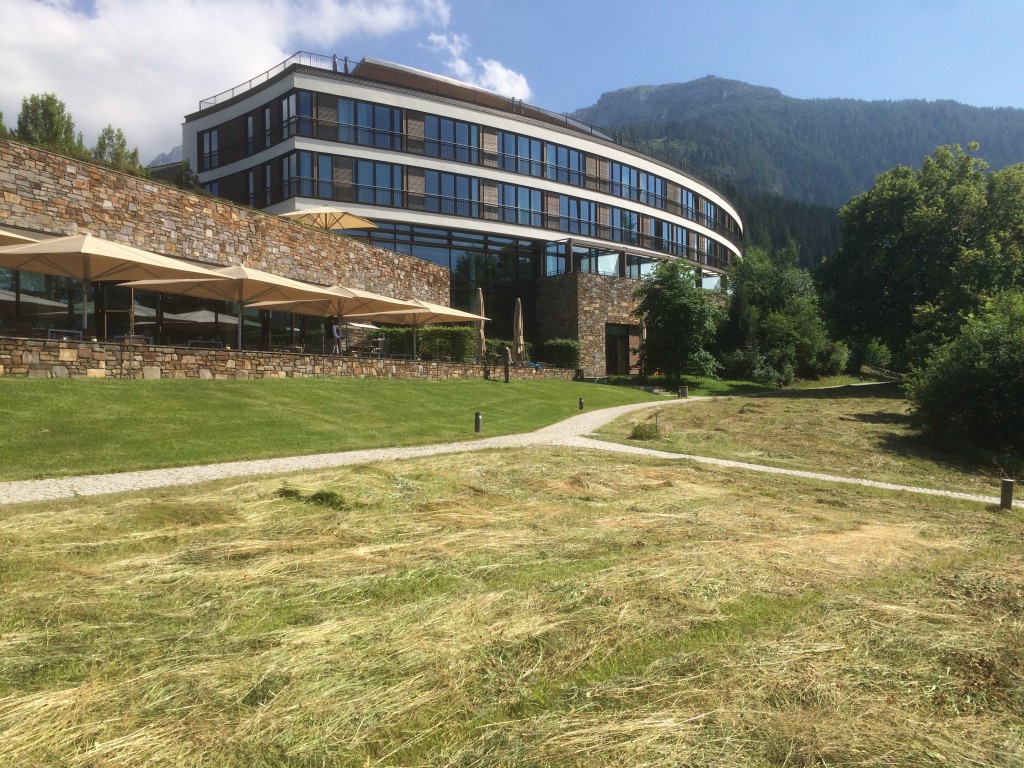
x: 856, y: 431
x: 521, y: 608
x: 56, y: 427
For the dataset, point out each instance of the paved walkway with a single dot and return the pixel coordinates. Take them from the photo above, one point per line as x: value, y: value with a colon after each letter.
x: 569, y: 433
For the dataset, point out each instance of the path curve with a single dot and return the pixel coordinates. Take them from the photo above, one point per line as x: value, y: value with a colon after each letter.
x: 572, y: 432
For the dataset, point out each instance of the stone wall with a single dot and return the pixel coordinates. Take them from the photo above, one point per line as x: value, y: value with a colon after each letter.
x: 579, y: 305
x: 56, y: 195
x: 52, y: 358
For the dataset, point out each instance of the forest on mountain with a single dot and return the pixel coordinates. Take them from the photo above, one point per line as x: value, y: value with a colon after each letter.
x: 789, y: 164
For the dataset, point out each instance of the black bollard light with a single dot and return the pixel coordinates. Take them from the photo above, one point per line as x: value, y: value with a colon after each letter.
x: 1006, y: 494
x: 581, y: 403
x: 479, y: 422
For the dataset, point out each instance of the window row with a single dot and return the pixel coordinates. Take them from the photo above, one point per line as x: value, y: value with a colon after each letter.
x: 352, y: 121
x: 344, y: 179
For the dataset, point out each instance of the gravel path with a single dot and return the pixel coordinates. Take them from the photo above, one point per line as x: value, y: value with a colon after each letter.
x: 571, y: 433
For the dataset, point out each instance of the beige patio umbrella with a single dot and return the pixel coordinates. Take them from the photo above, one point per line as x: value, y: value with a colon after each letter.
x: 518, y: 341
x: 10, y: 237
x: 342, y: 302
x: 243, y: 285
x: 91, y: 258
x: 327, y: 217
x: 422, y: 313
x: 481, y: 338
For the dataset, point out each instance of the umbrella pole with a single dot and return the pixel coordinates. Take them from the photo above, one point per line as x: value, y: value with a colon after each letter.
x: 85, y: 305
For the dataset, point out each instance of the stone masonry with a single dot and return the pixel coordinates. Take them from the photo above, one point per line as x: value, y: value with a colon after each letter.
x: 52, y: 358
x: 57, y: 195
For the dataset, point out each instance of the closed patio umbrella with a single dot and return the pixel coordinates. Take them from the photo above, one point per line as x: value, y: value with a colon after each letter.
x: 243, y: 285
x: 481, y: 339
x: 422, y: 313
x: 518, y: 341
x: 91, y: 258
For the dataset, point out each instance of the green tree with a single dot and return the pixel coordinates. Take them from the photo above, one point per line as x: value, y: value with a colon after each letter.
x: 970, y: 389
x: 3, y: 129
x: 681, y: 320
x: 44, y: 121
x: 922, y: 250
x: 774, y: 331
x: 112, y: 149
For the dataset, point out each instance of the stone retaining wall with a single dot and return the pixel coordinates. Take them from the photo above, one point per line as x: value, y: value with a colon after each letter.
x: 51, y: 193
x: 52, y: 358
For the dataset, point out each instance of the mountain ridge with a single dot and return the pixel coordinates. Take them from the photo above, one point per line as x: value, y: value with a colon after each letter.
x: 818, y: 151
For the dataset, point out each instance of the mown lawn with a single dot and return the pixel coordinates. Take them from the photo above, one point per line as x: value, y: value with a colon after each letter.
x: 854, y: 431
x: 58, y: 427
x: 540, y: 607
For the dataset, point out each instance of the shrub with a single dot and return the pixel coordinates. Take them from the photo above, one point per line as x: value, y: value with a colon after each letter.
x: 970, y: 389
x: 562, y: 353
x: 645, y: 430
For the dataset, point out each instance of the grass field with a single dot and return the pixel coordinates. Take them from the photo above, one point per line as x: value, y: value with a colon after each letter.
x: 59, y: 427
x: 854, y: 431
x: 522, y: 608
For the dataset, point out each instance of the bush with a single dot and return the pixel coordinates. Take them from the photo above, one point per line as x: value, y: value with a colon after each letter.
x: 970, y: 389
x: 645, y: 430
x: 876, y: 355
x: 562, y: 353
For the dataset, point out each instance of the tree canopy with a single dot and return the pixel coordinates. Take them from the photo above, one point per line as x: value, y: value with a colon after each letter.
x: 774, y: 331
x: 45, y: 122
x: 112, y: 149
x: 680, y: 318
x: 971, y: 388
x: 923, y: 250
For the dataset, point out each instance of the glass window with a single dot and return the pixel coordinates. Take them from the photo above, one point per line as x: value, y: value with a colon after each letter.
x: 297, y: 114
x: 625, y: 181
x: 452, y: 193
x: 519, y: 154
x: 652, y: 190
x: 451, y: 139
x: 564, y: 165
x: 325, y: 176
x: 250, y: 134
x: 689, y: 208
x: 266, y: 127
x: 370, y: 125
x: 577, y: 216
x: 209, y: 151
x: 625, y: 226
x: 378, y: 183
x: 297, y: 174
x: 520, y: 205
x: 268, y: 187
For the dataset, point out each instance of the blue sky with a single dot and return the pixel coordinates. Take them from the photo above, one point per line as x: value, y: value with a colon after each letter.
x: 143, y: 64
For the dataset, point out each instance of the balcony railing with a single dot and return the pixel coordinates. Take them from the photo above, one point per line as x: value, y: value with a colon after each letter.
x: 333, y: 64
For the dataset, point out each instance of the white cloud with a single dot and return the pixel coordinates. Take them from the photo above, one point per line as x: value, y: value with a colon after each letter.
x: 487, y: 73
x: 142, y: 65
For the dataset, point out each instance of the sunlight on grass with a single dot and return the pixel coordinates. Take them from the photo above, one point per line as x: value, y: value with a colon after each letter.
x: 541, y: 607
x: 858, y: 431
x: 57, y: 427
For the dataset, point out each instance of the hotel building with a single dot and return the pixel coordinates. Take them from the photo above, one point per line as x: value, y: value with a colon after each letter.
x: 521, y: 202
